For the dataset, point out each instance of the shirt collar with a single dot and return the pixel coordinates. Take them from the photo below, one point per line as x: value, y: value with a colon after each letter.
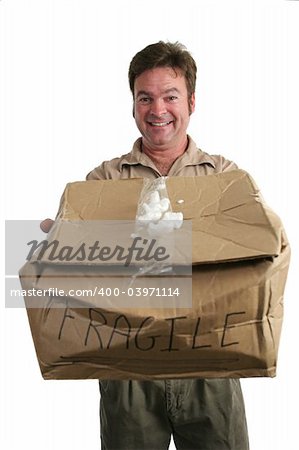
x: 191, y: 157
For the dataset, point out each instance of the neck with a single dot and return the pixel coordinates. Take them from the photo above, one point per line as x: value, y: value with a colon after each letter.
x: 163, y: 158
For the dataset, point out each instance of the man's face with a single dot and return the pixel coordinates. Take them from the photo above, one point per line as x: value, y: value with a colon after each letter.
x: 161, y: 107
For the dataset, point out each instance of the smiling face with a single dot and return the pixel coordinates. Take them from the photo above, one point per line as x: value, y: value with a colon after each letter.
x: 162, y: 108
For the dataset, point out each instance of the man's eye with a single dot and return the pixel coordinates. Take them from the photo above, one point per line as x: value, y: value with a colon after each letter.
x: 172, y: 98
x: 144, y: 100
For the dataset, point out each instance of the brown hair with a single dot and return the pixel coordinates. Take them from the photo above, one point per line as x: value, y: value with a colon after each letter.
x: 164, y: 54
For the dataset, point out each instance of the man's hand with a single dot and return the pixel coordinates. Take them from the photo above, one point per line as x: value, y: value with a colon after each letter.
x: 46, y: 225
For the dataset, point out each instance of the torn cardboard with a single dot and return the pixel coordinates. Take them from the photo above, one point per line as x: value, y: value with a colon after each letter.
x: 240, y: 260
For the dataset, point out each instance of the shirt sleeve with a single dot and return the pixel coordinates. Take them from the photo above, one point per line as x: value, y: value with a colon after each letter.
x: 96, y: 174
x: 222, y: 164
x: 108, y: 170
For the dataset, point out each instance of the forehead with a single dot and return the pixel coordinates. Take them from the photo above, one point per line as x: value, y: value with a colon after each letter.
x: 159, y: 80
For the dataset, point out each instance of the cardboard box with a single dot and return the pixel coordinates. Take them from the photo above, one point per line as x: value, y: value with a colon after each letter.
x: 240, y: 259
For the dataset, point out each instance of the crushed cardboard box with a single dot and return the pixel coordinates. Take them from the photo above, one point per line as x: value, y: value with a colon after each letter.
x: 240, y: 259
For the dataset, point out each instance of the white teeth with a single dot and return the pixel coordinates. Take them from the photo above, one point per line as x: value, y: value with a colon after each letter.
x: 159, y: 124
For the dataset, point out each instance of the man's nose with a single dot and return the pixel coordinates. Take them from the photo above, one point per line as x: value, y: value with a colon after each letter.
x: 158, y: 107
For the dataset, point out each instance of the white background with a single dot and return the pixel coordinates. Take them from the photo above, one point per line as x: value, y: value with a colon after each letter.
x: 66, y: 106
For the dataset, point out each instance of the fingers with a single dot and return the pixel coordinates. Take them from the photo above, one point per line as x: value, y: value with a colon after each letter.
x: 46, y: 225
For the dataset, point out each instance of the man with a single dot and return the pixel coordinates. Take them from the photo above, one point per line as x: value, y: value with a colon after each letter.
x: 142, y: 415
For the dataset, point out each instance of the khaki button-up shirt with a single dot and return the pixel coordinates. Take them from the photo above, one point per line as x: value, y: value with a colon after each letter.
x: 136, y: 164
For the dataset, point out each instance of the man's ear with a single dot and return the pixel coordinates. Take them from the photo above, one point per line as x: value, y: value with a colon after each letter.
x: 133, y: 111
x: 192, y: 103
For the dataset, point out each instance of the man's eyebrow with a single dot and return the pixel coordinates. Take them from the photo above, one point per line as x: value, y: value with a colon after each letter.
x: 143, y: 93
x: 167, y: 91
x: 173, y: 89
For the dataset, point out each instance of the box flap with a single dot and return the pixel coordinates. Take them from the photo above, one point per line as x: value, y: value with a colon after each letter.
x: 229, y: 219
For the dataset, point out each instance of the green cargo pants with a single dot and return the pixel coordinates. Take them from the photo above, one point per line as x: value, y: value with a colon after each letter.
x: 200, y: 414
